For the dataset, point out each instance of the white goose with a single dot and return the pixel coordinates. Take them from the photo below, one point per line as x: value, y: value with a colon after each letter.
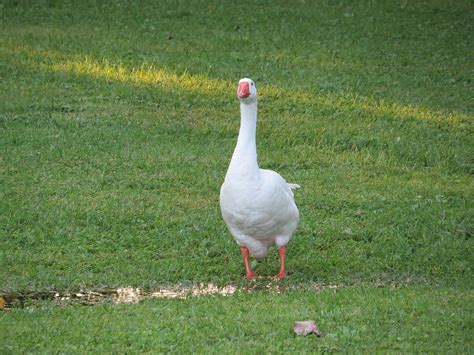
x: 257, y: 205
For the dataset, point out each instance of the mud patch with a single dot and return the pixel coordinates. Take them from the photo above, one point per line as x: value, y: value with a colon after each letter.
x: 134, y: 295
x: 116, y: 296
x: 130, y: 295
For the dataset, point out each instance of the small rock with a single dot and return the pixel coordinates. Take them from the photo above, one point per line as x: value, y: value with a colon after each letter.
x: 306, y: 327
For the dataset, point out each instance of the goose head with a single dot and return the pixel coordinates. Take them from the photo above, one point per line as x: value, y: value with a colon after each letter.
x: 246, y: 91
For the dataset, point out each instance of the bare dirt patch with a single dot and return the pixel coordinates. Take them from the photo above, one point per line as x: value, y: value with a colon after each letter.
x: 130, y: 295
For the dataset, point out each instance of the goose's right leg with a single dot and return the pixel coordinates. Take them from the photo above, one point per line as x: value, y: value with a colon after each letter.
x: 245, y: 254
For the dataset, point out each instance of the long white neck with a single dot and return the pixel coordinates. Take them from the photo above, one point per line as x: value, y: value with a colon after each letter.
x: 244, y: 160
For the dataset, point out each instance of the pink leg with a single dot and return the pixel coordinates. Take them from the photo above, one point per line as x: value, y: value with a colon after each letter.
x: 245, y: 254
x: 282, y: 273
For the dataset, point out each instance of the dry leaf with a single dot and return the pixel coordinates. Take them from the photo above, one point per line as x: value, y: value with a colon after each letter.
x: 2, y: 303
x: 306, y: 327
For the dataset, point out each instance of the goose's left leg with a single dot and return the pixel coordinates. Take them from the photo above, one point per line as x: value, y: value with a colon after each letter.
x: 282, y: 252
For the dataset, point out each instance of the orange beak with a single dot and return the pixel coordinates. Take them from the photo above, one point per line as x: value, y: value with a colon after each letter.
x: 243, y: 91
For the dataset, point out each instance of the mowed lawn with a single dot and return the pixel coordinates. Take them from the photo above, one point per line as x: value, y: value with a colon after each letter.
x: 118, y: 121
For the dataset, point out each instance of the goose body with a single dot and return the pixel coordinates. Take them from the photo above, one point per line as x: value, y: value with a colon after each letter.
x: 257, y: 205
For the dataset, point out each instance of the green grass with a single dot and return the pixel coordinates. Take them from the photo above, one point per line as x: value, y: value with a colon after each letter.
x: 351, y: 320
x: 118, y: 121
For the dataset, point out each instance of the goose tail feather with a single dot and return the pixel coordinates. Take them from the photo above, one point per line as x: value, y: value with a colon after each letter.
x: 293, y: 186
